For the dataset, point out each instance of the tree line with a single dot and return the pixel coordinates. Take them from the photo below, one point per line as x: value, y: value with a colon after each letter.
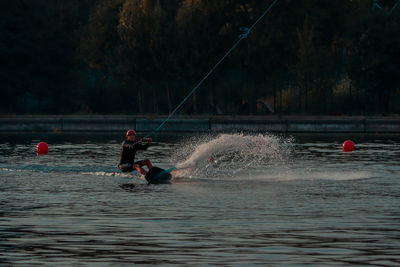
x: 328, y: 57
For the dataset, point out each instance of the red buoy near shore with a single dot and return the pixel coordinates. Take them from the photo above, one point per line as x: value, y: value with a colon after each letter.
x: 348, y: 146
x: 42, y: 148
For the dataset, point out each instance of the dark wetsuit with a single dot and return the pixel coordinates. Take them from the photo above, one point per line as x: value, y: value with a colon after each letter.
x: 127, y: 155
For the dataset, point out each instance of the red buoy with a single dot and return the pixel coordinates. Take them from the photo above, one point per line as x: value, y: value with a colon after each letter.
x: 42, y: 148
x: 348, y: 146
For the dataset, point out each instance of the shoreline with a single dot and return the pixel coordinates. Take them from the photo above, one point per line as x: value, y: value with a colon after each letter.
x: 198, y: 124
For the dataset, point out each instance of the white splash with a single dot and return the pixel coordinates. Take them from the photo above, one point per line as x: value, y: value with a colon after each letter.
x: 228, y: 154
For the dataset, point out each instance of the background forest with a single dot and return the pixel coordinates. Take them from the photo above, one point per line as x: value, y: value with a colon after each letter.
x: 338, y: 57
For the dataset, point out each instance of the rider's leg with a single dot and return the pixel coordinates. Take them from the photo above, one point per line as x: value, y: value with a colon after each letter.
x: 139, y: 169
x: 147, y: 163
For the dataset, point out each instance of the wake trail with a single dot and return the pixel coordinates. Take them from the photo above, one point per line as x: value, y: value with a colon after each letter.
x: 83, y: 170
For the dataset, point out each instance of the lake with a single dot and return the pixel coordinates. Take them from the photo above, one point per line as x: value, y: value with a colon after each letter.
x: 240, y: 199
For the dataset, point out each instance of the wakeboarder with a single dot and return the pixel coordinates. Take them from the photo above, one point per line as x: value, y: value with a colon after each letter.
x: 128, y: 151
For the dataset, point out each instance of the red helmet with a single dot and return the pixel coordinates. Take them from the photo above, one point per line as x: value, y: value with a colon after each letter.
x: 130, y: 132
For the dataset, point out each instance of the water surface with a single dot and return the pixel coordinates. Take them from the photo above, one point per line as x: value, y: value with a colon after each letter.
x: 273, y: 200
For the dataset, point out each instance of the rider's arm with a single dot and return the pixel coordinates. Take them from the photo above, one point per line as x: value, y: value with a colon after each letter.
x: 141, y: 146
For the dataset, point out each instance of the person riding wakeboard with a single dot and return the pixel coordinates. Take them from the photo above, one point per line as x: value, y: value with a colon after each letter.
x: 128, y: 151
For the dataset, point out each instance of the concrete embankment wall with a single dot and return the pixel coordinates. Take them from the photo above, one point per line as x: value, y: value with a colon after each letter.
x: 289, y: 124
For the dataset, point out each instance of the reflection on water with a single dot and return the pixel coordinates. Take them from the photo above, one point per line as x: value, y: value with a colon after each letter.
x: 317, y: 206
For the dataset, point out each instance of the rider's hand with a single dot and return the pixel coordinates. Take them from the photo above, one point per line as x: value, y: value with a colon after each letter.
x: 148, y: 140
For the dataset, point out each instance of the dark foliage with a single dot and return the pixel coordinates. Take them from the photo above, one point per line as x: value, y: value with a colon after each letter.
x: 144, y: 56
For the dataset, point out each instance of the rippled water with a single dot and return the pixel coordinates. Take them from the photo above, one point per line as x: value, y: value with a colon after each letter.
x: 304, y: 203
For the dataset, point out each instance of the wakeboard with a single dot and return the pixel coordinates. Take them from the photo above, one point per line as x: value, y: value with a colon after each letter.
x: 158, y: 175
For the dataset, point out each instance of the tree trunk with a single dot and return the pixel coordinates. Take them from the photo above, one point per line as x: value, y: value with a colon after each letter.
x: 194, y: 103
x: 387, y: 101
x: 140, y: 101
x: 155, y: 106
x: 351, y: 99
x: 280, y: 100
x: 306, y: 98
x: 274, y: 97
x: 300, y: 96
x: 168, y: 99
